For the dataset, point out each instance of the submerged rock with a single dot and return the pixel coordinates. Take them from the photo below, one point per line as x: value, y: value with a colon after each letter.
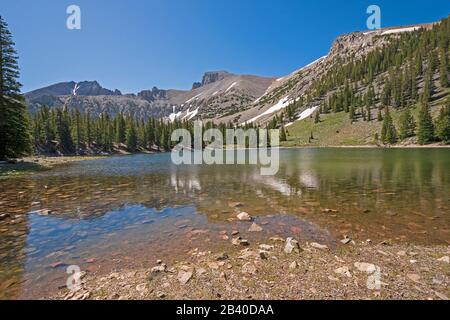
x: 42, y: 212
x: 58, y: 264
x: 330, y: 210
x: 235, y: 204
x: 255, y: 228
x: 244, y: 216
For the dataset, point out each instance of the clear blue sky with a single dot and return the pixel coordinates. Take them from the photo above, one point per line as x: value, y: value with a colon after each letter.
x: 137, y: 44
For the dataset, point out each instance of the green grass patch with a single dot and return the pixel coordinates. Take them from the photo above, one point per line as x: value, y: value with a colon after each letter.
x: 334, y: 129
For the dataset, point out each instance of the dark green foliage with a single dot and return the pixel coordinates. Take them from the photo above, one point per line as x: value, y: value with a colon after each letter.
x: 63, y: 131
x: 425, y: 127
x: 317, y: 117
x: 443, y: 69
x: 132, y: 140
x: 120, y: 128
x: 77, y: 129
x: 57, y: 130
x: 14, y: 125
x: 290, y: 112
x: 443, y: 124
x: 283, y: 134
x: 379, y: 116
x: 427, y: 89
x: 388, y: 131
x: 351, y: 114
x: 407, y: 125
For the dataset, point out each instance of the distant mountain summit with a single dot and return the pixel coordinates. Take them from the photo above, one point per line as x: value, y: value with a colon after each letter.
x: 84, y: 88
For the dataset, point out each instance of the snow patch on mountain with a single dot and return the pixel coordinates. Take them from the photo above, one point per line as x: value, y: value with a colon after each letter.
x: 194, y: 98
x: 231, y: 87
x: 283, y: 103
x: 257, y: 100
x: 189, y: 115
x: 75, y: 88
x: 400, y: 30
x: 306, y: 113
x: 174, y: 116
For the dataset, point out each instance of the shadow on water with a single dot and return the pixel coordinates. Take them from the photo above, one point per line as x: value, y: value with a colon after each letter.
x: 129, y: 211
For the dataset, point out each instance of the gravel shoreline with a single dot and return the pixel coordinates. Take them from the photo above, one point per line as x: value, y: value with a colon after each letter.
x: 276, y: 269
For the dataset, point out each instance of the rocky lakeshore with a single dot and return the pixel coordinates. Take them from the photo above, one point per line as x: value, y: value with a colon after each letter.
x: 281, y: 269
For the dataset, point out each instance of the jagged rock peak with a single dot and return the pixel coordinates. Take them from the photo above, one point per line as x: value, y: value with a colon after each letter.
x: 92, y: 88
x: 214, y: 76
x: 196, y: 85
x: 153, y: 94
x: 211, y: 77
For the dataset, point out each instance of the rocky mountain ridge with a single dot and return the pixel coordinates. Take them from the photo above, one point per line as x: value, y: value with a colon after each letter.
x: 220, y: 96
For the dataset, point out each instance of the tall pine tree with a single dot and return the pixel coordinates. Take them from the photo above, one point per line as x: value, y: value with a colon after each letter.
x: 406, y: 125
x: 388, y: 131
x: 443, y: 124
x: 15, y: 137
x: 131, y: 135
x: 63, y: 131
x: 425, y: 128
x: 283, y: 134
x: 443, y: 69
